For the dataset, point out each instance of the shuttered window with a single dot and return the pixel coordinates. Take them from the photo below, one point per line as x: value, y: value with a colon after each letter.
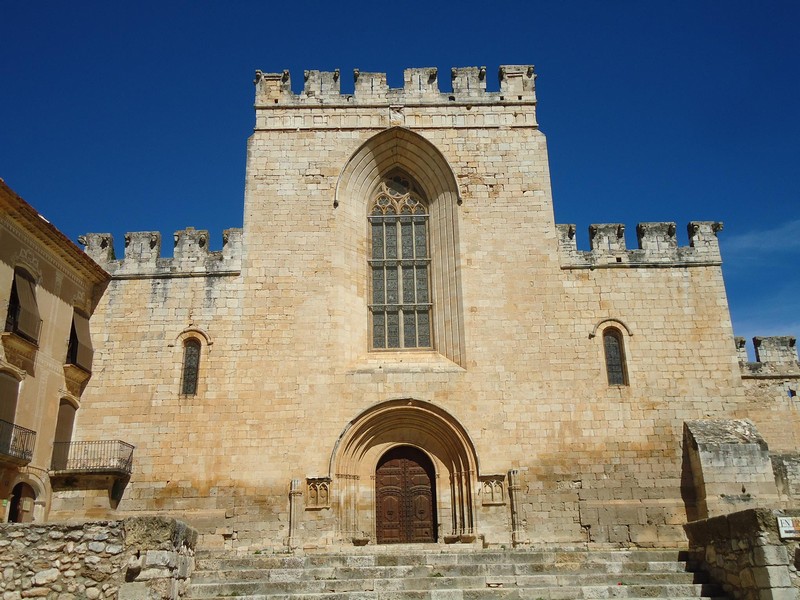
x: 80, y: 351
x: 23, y: 312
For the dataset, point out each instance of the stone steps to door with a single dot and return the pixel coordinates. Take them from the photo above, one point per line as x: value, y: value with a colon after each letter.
x: 439, y: 574
x: 211, y: 560
x: 652, y: 571
x: 545, y: 593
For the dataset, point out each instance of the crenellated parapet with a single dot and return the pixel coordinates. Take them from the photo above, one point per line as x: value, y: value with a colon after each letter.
x: 658, y: 246
x: 419, y: 103
x: 419, y: 86
x: 191, y: 256
x: 776, y: 357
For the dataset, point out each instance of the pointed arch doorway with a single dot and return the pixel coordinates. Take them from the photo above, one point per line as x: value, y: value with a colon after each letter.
x: 405, y: 493
x: 403, y: 425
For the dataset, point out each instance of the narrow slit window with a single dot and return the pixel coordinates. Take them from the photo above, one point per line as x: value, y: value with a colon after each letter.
x: 615, y: 357
x: 191, y: 367
x: 399, y: 265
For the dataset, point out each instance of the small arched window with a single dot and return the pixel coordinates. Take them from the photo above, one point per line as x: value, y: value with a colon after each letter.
x: 191, y: 366
x: 615, y: 357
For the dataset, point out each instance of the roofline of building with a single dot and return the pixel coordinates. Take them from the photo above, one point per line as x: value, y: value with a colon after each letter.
x: 49, y: 235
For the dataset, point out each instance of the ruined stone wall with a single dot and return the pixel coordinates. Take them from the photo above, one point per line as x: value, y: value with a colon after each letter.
x: 772, y: 385
x: 744, y: 553
x: 132, y: 559
x: 518, y: 362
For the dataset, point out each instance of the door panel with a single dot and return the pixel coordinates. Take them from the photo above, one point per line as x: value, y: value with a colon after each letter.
x: 404, y: 484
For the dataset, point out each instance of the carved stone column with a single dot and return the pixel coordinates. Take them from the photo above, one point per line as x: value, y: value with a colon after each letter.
x: 295, y: 496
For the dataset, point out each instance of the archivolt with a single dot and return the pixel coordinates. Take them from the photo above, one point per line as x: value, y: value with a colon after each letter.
x: 618, y: 322
x: 397, y: 147
x: 405, y: 421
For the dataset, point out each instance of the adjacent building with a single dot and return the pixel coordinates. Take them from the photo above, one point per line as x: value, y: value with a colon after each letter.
x: 49, y: 289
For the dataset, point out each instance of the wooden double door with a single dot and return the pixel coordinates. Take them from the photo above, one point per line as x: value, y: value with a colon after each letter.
x: 406, y: 497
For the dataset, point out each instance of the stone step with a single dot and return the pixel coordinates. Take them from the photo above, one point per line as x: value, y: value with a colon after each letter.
x: 687, y: 592
x: 247, y: 573
x: 207, y: 560
x: 231, y: 588
x: 435, y: 574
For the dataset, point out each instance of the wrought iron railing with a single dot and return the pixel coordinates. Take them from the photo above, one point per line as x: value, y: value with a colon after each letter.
x: 105, y: 456
x: 16, y: 443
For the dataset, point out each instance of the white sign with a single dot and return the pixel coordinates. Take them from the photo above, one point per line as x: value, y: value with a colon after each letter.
x: 789, y: 527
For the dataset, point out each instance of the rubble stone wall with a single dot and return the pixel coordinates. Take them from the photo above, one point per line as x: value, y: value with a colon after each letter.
x: 142, y: 557
x: 743, y: 552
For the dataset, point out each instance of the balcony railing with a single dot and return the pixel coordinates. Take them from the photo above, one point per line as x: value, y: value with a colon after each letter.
x: 16, y: 443
x: 99, y: 457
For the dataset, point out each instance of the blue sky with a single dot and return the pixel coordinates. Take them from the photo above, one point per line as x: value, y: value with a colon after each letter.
x: 120, y: 117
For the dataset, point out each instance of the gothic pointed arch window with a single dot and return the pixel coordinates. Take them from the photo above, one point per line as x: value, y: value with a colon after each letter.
x: 191, y: 366
x: 399, y: 263
x: 614, y: 349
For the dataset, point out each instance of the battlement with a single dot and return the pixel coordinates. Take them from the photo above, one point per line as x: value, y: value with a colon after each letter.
x: 420, y: 86
x: 776, y: 356
x: 658, y: 246
x: 191, y: 257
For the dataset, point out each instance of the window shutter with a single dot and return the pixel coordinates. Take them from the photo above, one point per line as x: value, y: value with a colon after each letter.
x: 84, y: 352
x: 29, y: 321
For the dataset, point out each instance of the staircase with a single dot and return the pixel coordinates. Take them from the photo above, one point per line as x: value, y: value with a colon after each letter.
x: 415, y: 572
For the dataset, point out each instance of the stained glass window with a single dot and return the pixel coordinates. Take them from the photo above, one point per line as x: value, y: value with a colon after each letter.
x: 191, y: 367
x: 615, y: 357
x: 400, y: 266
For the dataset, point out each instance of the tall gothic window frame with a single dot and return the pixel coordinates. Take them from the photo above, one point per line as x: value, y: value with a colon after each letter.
x: 399, y: 262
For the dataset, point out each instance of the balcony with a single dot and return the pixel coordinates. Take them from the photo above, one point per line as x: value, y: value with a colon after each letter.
x: 105, y: 457
x: 16, y: 444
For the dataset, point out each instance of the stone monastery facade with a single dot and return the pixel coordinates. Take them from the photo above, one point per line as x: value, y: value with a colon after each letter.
x: 401, y: 345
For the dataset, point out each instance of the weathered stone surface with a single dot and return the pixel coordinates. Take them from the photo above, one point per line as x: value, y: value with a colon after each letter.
x: 744, y: 550
x: 95, y: 565
x: 516, y: 365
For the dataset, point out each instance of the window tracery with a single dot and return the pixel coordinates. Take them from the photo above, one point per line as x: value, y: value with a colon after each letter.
x: 318, y: 492
x: 400, y: 266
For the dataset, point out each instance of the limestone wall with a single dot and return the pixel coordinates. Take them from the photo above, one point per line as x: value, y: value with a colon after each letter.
x: 772, y: 384
x: 516, y: 374
x: 143, y: 558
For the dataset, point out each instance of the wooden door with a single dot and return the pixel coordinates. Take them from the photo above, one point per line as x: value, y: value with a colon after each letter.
x: 22, y: 499
x: 405, y: 494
